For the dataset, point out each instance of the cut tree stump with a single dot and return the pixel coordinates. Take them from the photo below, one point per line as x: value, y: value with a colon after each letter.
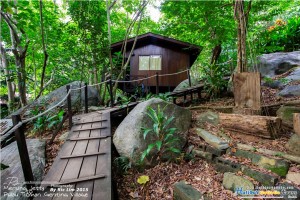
x: 263, y: 126
x: 296, y: 121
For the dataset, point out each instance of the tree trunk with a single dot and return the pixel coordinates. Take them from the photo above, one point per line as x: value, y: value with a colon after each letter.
x: 263, y: 126
x: 242, y: 19
x: 216, y: 53
x: 19, y: 53
x: 11, y: 95
x: 44, y: 50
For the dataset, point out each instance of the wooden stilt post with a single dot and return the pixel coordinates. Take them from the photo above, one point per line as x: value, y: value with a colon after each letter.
x: 189, y: 77
x: 111, y: 93
x: 86, y: 98
x: 69, y: 107
x: 23, y: 151
x: 157, y: 83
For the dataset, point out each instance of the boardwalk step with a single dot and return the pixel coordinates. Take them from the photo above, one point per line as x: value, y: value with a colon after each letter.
x: 77, y: 180
x: 87, y: 138
x: 86, y: 122
x: 87, y: 129
x: 82, y: 155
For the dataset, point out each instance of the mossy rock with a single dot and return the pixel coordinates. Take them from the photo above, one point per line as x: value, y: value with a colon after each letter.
x: 286, y: 114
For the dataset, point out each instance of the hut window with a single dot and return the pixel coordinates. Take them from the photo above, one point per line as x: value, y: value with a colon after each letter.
x: 152, y: 62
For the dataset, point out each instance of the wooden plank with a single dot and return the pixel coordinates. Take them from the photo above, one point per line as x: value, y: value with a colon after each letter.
x: 59, y: 165
x: 88, y: 138
x: 247, y: 90
x: 88, y: 129
x: 103, y: 187
x: 89, y: 166
x: 77, y: 180
x: 82, y: 155
x: 296, y: 121
x: 86, y: 122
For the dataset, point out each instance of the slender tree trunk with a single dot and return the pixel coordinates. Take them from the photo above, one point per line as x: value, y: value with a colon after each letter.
x: 216, y: 53
x: 44, y: 49
x: 19, y: 53
x: 242, y: 19
x: 4, y: 62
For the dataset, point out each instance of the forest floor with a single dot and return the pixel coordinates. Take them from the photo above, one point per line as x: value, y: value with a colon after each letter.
x: 197, y: 172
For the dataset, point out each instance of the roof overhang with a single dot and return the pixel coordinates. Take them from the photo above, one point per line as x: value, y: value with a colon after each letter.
x: 159, y: 40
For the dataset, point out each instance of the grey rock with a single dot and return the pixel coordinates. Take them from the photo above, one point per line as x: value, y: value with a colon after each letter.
x: 233, y: 182
x: 274, y: 84
x: 182, y: 191
x: 185, y: 84
x: 202, y: 154
x: 10, y: 157
x: 209, y: 116
x: 77, y: 96
x: 278, y: 63
x: 128, y: 138
x: 295, y: 75
x: 290, y: 91
x: 293, y: 145
x: 212, y: 139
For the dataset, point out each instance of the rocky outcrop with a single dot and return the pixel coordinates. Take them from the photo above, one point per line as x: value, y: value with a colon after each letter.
x: 10, y: 157
x: 77, y: 96
x: 278, y: 63
x: 128, y: 138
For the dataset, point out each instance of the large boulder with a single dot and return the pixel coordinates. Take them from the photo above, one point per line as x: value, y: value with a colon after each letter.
x: 278, y: 63
x: 14, y: 173
x: 77, y: 96
x: 128, y: 138
x: 185, y: 84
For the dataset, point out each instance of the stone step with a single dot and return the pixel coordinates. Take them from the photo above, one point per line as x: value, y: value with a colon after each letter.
x: 183, y: 191
x: 278, y: 166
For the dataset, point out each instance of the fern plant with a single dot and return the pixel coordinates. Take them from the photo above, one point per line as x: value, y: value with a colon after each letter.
x: 165, y: 141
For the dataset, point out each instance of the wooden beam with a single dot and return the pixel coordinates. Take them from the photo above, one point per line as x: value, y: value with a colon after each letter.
x: 87, y: 138
x: 77, y: 180
x: 86, y: 122
x: 82, y: 155
x: 264, y: 126
x: 296, y: 121
x: 88, y: 129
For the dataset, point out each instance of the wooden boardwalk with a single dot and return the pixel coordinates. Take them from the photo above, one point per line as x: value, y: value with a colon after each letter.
x: 82, y: 169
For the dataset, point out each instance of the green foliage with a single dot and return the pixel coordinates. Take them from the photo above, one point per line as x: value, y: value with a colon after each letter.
x: 213, y: 77
x: 162, y: 96
x: 46, y: 122
x: 268, y: 80
x: 123, y: 164
x: 164, y: 140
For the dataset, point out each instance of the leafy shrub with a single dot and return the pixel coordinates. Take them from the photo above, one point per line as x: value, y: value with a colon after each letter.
x: 164, y: 138
x: 281, y: 36
x: 214, y: 81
